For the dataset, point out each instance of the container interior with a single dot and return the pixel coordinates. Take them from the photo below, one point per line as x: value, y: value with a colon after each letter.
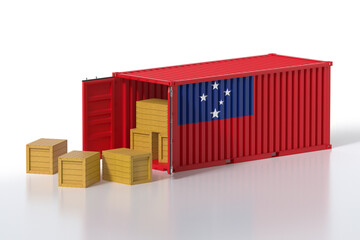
x: 128, y: 92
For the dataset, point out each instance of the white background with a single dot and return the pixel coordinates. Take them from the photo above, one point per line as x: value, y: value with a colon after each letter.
x: 48, y: 47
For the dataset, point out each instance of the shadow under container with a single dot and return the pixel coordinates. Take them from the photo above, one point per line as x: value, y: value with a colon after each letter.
x: 79, y: 169
x: 127, y: 166
x: 42, y: 155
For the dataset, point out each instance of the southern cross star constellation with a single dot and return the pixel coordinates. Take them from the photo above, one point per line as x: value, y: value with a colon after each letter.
x: 215, y: 86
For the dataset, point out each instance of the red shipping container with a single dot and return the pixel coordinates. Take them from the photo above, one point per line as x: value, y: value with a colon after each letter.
x: 220, y: 112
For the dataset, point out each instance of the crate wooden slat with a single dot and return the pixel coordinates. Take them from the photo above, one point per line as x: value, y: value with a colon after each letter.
x: 152, y: 115
x: 79, y: 169
x: 127, y: 166
x: 163, y: 149
x: 144, y: 140
x: 153, y: 104
x: 42, y: 155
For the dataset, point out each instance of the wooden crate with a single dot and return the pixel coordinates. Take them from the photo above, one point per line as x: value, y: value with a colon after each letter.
x: 127, y: 166
x: 79, y: 169
x: 42, y: 155
x: 152, y: 115
x: 153, y: 104
x: 163, y: 149
x: 144, y: 140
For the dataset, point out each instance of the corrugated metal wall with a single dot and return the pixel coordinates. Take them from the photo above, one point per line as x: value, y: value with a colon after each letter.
x: 291, y: 115
x: 98, y: 114
x: 109, y: 108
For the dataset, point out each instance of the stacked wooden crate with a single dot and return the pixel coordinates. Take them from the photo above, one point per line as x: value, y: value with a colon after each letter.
x: 151, y: 129
x: 144, y: 140
x: 152, y: 115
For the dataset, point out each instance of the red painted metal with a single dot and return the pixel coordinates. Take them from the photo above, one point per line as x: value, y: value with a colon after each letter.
x: 291, y: 115
x: 109, y: 108
x: 291, y: 111
x: 98, y: 114
x: 217, y: 70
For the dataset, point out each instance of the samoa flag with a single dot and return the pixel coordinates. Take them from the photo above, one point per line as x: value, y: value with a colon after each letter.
x: 215, y: 100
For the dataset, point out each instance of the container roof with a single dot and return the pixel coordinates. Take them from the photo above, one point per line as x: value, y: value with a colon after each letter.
x: 216, y: 70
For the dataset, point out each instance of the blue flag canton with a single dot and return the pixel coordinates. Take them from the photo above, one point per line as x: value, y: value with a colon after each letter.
x: 221, y: 99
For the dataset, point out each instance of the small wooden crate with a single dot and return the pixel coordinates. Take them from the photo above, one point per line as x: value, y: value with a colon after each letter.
x: 163, y: 149
x: 79, y: 169
x: 42, y: 155
x: 144, y: 140
x: 127, y: 166
x: 152, y: 115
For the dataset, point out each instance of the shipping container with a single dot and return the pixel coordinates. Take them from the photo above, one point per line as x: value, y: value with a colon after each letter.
x: 219, y: 112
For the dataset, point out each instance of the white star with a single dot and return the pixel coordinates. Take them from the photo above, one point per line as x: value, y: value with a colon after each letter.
x: 215, y: 85
x: 215, y: 114
x: 203, y: 97
x: 221, y: 102
x: 227, y: 92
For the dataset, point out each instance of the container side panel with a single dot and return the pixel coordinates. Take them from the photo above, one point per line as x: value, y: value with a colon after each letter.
x: 191, y: 132
x: 176, y: 138
x: 234, y: 124
x: 265, y: 119
x: 98, y: 105
x: 252, y: 121
x: 319, y: 105
x: 290, y: 113
x: 202, y: 139
x: 271, y: 111
x: 198, y: 152
x: 301, y: 108
x: 283, y: 111
x: 295, y: 106
x: 277, y: 113
x: 313, y: 107
x: 326, y: 105
x: 246, y: 103
x: 307, y: 109
x: 258, y: 112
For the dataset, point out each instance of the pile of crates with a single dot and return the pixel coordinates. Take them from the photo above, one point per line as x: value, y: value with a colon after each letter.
x: 82, y: 168
x: 151, y: 132
x: 148, y: 141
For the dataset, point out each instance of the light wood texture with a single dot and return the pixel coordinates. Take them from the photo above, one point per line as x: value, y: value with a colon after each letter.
x: 144, y: 140
x: 152, y: 115
x: 79, y: 169
x: 127, y: 166
x: 42, y: 155
x: 153, y: 103
x: 163, y: 149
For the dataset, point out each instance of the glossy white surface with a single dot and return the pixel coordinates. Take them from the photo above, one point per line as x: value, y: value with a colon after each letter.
x: 306, y: 196
x: 48, y: 47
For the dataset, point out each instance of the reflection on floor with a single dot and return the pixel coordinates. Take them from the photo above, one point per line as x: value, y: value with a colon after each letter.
x: 291, y: 197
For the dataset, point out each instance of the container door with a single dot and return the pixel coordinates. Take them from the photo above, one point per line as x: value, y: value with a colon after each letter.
x: 98, y: 114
